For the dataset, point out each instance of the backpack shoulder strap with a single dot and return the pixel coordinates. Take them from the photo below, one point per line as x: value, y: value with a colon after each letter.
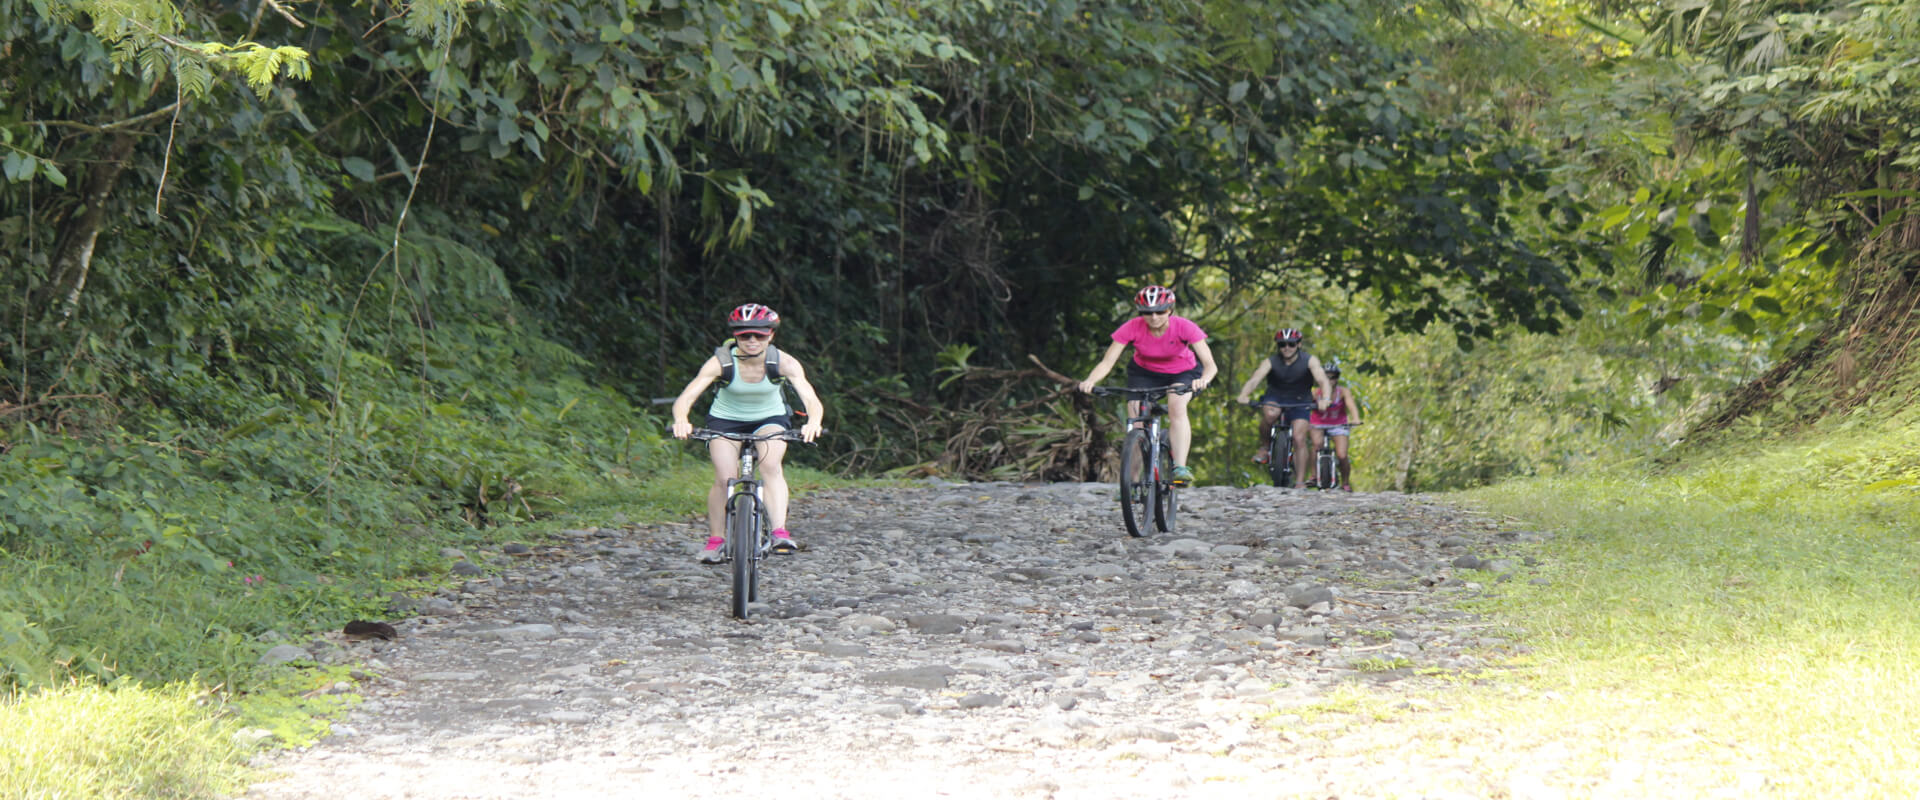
x: 773, y: 362
x: 723, y: 353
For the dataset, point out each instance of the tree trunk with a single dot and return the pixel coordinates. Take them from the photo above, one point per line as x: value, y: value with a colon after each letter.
x: 75, y: 259
x: 1409, y: 447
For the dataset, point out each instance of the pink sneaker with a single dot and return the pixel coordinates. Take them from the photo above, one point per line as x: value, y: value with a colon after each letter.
x: 1260, y: 457
x: 716, y: 551
x: 783, y: 543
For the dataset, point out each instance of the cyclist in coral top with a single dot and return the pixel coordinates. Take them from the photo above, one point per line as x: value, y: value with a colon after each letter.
x: 1167, y: 351
x: 1336, y: 420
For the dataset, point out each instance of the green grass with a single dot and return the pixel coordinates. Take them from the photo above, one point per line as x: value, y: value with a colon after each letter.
x: 112, y: 743
x: 175, y: 739
x: 1747, y: 622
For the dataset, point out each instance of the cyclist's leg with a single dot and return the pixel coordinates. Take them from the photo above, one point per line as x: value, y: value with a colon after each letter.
x: 725, y: 454
x: 1269, y: 414
x: 1318, y: 437
x: 773, y: 478
x: 1179, y: 430
x: 1302, y: 455
x: 1340, y: 457
x: 1179, y: 426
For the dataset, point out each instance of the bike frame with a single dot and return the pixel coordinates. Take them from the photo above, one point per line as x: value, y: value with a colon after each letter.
x: 1145, y: 411
x: 749, y: 539
x: 1280, y: 431
x: 1324, y: 457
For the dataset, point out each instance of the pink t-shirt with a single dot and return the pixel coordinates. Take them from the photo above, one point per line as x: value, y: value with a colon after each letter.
x: 1169, y: 353
x: 1336, y: 413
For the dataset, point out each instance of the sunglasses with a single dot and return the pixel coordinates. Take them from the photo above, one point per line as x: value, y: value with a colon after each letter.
x: 1289, y: 344
x: 1156, y: 313
x: 752, y: 337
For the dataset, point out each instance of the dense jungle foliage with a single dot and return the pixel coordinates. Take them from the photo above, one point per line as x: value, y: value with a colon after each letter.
x: 297, y: 294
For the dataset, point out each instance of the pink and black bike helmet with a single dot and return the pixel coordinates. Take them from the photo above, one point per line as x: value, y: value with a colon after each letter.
x: 1153, y: 298
x: 753, y: 318
x: 1288, y: 336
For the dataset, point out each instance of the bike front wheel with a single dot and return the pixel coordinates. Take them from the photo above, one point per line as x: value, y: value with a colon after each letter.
x: 1136, y: 483
x: 743, y: 538
x: 1165, y: 502
x: 1324, y: 469
x: 1280, y: 457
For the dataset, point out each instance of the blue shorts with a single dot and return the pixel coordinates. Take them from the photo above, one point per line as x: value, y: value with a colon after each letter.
x: 1288, y: 415
x: 736, y: 426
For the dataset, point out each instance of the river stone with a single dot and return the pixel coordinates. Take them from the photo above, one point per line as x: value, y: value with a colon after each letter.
x: 931, y: 676
x: 533, y: 631
x: 937, y: 624
x: 284, y: 654
x: 1306, y: 598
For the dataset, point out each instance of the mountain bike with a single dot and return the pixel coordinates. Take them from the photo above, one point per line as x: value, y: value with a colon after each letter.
x: 1146, y: 460
x: 749, y: 532
x: 1280, y: 443
x: 1326, y: 466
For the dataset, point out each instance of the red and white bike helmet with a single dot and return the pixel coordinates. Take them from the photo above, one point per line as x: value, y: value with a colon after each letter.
x: 753, y: 318
x: 1288, y: 336
x: 1153, y: 298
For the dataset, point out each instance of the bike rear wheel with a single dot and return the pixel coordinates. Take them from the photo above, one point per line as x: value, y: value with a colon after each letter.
x: 1165, y: 502
x: 1136, y: 483
x: 743, y: 539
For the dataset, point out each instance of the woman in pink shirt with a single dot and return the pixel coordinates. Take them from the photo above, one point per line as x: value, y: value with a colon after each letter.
x: 1336, y: 421
x: 1167, y: 351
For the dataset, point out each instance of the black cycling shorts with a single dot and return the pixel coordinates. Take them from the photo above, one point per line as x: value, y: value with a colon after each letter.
x: 1139, y: 377
x: 1288, y: 415
x: 736, y: 426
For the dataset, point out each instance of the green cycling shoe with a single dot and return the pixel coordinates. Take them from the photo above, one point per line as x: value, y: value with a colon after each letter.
x: 1182, y: 477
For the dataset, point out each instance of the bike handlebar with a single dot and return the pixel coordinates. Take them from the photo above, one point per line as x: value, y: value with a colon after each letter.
x: 1178, y: 388
x: 706, y: 434
x: 1259, y: 403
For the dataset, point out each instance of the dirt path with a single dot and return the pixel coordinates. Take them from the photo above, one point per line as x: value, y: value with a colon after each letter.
x: 980, y: 640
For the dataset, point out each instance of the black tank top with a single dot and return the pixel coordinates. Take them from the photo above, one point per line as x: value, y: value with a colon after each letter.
x: 1290, y: 383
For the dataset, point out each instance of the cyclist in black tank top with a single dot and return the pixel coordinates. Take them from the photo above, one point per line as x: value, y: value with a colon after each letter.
x: 1290, y: 375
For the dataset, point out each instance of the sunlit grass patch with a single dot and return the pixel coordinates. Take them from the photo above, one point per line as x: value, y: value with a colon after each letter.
x: 127, y: 742
x: 1747, y: 621
x: 1345, y: 701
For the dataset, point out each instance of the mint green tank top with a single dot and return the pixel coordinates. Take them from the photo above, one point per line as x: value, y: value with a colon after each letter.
x: 741, y: 401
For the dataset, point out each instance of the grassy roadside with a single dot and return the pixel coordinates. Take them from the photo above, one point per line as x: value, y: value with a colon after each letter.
x: 1743, y: 626
x: 183, y: 738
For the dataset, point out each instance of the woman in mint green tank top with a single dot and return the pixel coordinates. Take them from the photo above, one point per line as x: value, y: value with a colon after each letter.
x: 751, y: 402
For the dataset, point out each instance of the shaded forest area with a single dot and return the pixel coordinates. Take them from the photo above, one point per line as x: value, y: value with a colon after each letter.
x: 905, y: 182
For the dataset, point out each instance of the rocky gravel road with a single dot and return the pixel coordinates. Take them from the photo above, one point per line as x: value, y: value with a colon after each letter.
x: 951, y: 641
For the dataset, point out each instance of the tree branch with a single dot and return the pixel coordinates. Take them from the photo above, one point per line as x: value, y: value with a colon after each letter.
x: 111, y: 126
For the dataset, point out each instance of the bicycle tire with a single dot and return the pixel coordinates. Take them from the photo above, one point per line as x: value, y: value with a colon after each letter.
x: 1280, y: 456
x: 1136, y: 483
x: 1324, y: 467
x: 741, y: 540
x: 763, y: 544
x: 1166, y: 503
